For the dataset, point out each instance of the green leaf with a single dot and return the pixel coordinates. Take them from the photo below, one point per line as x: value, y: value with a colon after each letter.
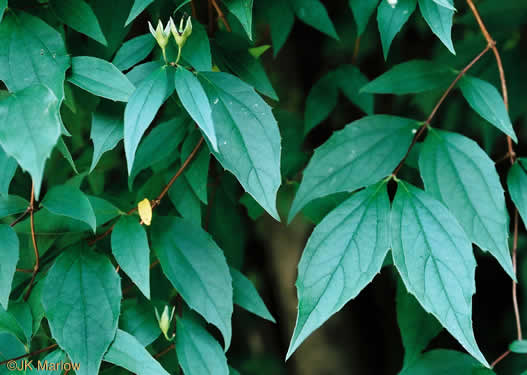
x: 106, y: 129
x: 12, y: 204
x: 101, y: 78
x: 313, y: 13
x: 197, y: 172
x: 56, y: 356
x: 31, y: 128
x: 350, y: 81
x: 104, y: 210
x: 411, y: 77
x: 440, y: 361
x: 246, y: 296
x: 449, y: 4
x: 8, y: 168
x: 183, y: 198
x: 517, y: 184
x: 82, y: 294
x: 69, y: 201
x: 128, y: 353
x: 78, y: 15
x: 196, y: 267
x: 142, y: 107
x: 243, y: 10
x: 194, y: 99
x: 134, y: 51
x: 233, y: 52
x: 362, y: 11
x: 434, y: 258
x: 417, y: 327
x: 361, y: 154
x: 488, y: 103
x: 321, y: 101
x: 40, y: 56
x: 137, y: 8
x: 518, y: 346
x: 9, y: 253
x: 248, y: 137
x: 391, y: 19
x: 197, y: 48
x: 439, y: 19
x: 343, y: 254
x: 8, y: 323
x: 138, y: 319
x: 197, y: 351
x: 160, y: 144
x: 130, y: 249
x: 460, y: 174
x: 281, y: 18
x: 35, y: 304
x: 140, y: 72
x: 21, y: 311
x: 66, y: 154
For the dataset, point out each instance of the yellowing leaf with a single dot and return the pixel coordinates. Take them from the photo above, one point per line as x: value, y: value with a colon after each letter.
x: 145, y: 211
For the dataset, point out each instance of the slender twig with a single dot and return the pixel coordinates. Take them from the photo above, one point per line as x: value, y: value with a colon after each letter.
x: 512, y: 154
x: 449, y: 89
x: 156, y: 201
x: 193, y: 6
x: 20, y: 218
x: 356, y: 51
x: 164, y: 351
x: 34, y: 240
x: 436, y: 107
x: 47, y: 348
x: 221, y: 15
x: 500, y: 358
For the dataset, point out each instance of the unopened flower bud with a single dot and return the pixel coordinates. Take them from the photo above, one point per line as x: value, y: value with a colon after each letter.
x: 161, y: 35
x: 164, y: 321
x: 181, y: 34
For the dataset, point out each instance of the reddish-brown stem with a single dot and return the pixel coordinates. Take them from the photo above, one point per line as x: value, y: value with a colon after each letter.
x: 500, y: 358
x: 157, y: 201
x: 193, y: 6
x: 20, y: 218
x: 221, y: 15
x: 414, y: 141
x: 512, y: 157
x: 436, y: 107
x: 164, y: 351
x: 47, y: 348
x: 356, y: 50
x: 34, y: 240
x: 453, y: 84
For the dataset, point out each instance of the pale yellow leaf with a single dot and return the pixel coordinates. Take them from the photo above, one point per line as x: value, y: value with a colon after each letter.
x: 145, y: 211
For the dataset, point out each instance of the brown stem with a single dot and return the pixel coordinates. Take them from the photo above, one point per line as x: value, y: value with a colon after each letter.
x: 47, y: 348
x: 449, y: 89
x: 193, y: 6
x: 436, y: 107
x: 512, y: 156
x: 20, y: 218
x: 500, y: 358
x: 356, y: 51
x: 157, y: 201
x: 34, y: 240
x: 221, y: 15
x: 164, y: 351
